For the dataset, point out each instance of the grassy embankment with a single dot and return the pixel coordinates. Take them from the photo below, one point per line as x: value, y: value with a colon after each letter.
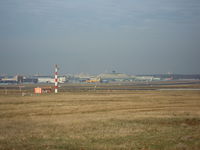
x: 101, y: 120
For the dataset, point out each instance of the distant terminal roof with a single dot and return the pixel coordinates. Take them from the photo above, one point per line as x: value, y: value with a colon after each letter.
x: 82, y: 75
x: 114, y: 76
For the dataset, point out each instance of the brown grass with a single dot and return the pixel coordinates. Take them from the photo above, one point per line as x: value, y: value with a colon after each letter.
x: 101, y: 120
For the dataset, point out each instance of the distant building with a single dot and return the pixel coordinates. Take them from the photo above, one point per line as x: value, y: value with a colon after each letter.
x: 147, y: 78
x: 144, y: 78
x: 49, y: 79
x: 45, y: 79
x: 80, y: 77
x: 115, y: 77
x: 12, y: 79
x: 30, y: 80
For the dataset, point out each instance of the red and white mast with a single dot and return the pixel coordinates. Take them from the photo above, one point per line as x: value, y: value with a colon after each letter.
x: 56, y: 78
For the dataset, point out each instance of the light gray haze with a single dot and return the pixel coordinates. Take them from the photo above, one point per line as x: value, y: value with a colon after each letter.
x: 95, y: 36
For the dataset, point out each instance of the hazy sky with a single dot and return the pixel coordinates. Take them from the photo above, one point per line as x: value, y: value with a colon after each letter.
x: 95, y: 36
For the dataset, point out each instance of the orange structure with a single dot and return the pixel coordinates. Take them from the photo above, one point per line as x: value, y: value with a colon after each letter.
x: 40, y: 90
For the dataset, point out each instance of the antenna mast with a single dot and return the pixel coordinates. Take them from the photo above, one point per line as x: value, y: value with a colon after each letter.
x: 56, y: 78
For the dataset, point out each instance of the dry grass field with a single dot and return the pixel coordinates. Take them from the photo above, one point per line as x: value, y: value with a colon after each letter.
x: 101, y: 120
